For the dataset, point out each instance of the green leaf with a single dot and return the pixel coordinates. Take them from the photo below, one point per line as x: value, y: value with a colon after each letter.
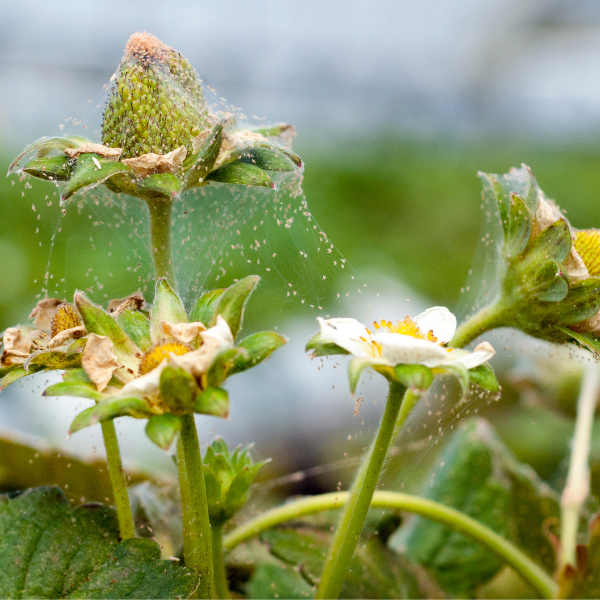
x: 48, y: 550
x: 416, y: 378
x: 167, y: 306
x: 78, y: 389
x: 98, y: 321
x: 52, y: 359
x: 267, y: 159
x: 178, y: 389
x: 44, y: 145
x: 484, y: 377
x: 205, y: 306
x: 240, y: 173
x: 278, y: 581
x: 137, y: 326
x: 212, y: 401
x: 320, y: 348
x: 160, y: 186
x: 233, y: 301
x: 162, y: 429
x: 519, y: 227
x: 12, y: 376
x: 51, y: 168
x: 86, y: 173
x: 492, y: 192
x: 198, y: 165
x: 110, y: 408
x: 355, y: 368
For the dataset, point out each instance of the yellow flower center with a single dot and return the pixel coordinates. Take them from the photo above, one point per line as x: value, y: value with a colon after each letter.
x: 65, y: 317
x: 405, y: 327
x: 587, y: 244
x: 157, y: 353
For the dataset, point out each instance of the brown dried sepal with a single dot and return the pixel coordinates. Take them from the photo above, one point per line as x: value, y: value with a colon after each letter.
x: 99, y: 360
x: 44, y: 311
x: 17, y: 345
x: 184, y: 333
x: 134, y: 301
x: 100, y: 149
x: 74, y: 333
x: 149, y: 164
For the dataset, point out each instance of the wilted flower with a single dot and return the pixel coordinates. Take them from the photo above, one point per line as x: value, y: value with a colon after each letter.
x: 162, y: 365
x: 411, y: 351
x: 549, y: 271
x: 158, y: 136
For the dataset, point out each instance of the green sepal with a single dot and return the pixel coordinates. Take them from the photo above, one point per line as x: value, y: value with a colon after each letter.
x: 198, y: 165
x: 44, y: 145
x: 162, y: 429
x: 76, y: 347
x: 167, y: 306
x: 462, y: 374
x: 98, y: 321
x: 50, y: 168
x: 232, y: 303
x: 86, y: 173
x: 519, y: 226
x: 124, y: 183
x: 548, y: 283
x: 205, y: 306
x: 589, y: 341
x: 238, y: 490
x: 267, y: 159
x: 52, y: 359
x: 320, y: 348
x: 178, y: 389
x: 110, y: 408
x: 484, y: 377
x: 213, y: 492
x: 553, y: 243
x: 212, y: 401
x: 137, y: 326
x: 159, y: 186
x: 273, y: 130
x: 581, y: 303
x: 355, y: 368
x: 224, y: 365
x: 492, y: 191
x: 78, y: 389
x: 241, y: 174
x: 12, y: 376
x: 417, y: 378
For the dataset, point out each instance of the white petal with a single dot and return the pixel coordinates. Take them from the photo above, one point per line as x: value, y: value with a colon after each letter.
x: 482, y: 353
x: 146, y: 385
x: 347, y: 334
x: 439, y: 320
x: 398, y: 349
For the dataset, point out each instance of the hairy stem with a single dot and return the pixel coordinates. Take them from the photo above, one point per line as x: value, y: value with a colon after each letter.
x: 160, y: 231
x: 353, y: 515
x: 487, y: 318
x: 117, y: 480
x: 221, y: 584
x: 429, y: 509
x: 197, y: 541
x: 578, y: 479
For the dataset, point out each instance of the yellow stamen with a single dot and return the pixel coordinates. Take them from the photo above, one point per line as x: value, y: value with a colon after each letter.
x: 157, y: 353
x: 406, y: 327
x: 587, y: 244
x: 65, y: 317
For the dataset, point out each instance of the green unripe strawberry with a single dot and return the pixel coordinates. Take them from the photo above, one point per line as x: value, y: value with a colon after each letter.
x: 155, y: 104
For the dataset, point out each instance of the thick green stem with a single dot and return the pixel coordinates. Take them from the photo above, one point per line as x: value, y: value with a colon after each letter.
x: 221, y: 584
x: 353, y: 516
x: 429, y: 509
x: 117, y: 480
x: 160, y: 231
x: 487, y: 318
x: 577, y: 487
x: 197, y: 544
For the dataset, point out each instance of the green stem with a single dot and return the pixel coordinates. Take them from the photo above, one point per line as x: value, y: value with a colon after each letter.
x: 221, y: 584
x: 117, y: 480
x: 160, y: 232
x: 353, y: 516
x: 197, y: 545
x: 429, y: 509
x: 577, y: 487
x: 487, y: 318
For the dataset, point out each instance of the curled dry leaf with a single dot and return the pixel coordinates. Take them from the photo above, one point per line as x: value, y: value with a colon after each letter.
x: 134, y: 301
x: 74, y: 333
x: 17, y: 345
x: 104, y: 151
x: 151, y: 163
x: 182, y: 332
x: 99, y: 360
x: 44, y: 311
